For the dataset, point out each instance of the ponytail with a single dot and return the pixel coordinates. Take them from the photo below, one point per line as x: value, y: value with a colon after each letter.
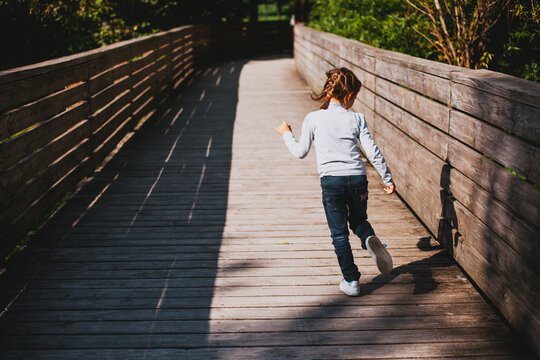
x: 339, y: 83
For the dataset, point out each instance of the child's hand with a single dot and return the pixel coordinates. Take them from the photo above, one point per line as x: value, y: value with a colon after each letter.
x: 283, y: 128
x: 390, y: 189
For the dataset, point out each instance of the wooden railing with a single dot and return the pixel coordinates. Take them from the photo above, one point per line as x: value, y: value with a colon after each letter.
x: 452, y: 138
x: 59, y: 119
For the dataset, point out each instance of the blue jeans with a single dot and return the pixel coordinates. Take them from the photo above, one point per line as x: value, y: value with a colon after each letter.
x: 345, y: 201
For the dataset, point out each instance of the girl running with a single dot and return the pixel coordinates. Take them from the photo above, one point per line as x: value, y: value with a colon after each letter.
x: 336, y: 133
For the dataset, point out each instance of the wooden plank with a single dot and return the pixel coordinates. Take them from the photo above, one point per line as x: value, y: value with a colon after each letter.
x: 438, y: 142
x: 110, y: 110
x: 361, y: 55
x: 17, y: 175
x: 143, y: 62
x: 328, y: 43
x: 111, y: 127
x: 366, y: 78
x: 108, y: 77
x: 110, y: 58
x: 137, y: 109
x: 235, y: 326
x: 438, y: 146
x: 181, y: 53
x: 252, y: 339
x: 445, y: 351
x: 517, y: 304
x: 428, y: 136
x: 15, y: 94
x: 328, y: 56
x: 40, y: 110
x: 263, y: 313
x: 133, y: 302
x: 32, y: 216
x: 351, y: 47
x: 512, y: 115
x: 494, y: 259
x: 517, y: 154
x: 515, y: 193
x: 499, y: 84
x: 415, y: 167
x: 432, y: 112
x: 38, y: 137
x: 101, y: 99
x: 522, y: 237
x: 427, y: 84
x: 22, y: 197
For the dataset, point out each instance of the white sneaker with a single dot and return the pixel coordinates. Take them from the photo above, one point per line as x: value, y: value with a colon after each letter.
x: 350, y: 288
x: 379, y: 254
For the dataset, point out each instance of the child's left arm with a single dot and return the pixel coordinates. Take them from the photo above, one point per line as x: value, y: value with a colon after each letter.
x: 375, y: 156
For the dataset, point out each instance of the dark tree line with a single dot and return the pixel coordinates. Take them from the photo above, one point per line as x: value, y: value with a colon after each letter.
x: 37, y: 30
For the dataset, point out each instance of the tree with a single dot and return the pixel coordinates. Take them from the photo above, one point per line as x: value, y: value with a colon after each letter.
x: 459, y: 30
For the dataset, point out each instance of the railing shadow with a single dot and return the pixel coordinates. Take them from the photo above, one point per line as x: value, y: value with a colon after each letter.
x: 133, y: 256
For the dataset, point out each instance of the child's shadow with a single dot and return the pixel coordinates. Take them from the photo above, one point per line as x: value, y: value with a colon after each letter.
x: 420, y: 270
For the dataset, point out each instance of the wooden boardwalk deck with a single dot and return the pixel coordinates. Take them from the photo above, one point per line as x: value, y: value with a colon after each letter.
x: 204, y: 238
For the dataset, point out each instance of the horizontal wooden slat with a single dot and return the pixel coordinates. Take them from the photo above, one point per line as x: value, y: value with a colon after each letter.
x: 120, y: 85
x: 16, y: 176
x: 105, y: 113
x: 517, y: 194
x: 108, y: 77
x: 427, y: 84
x: 521, y: 119
x: 458, y: 130
x: 410, y: 188
x: 101, y: 99
x: 32, y: 216
x: 28, y: 142
x: 429, y: 136
x: 515, y: 302
x: 468, y: 161
x: 422, y: 107
x: 25, y: 195
x: 516, y: 232
x: 15, y: 94
x: 504, y: 148
x: 40, y: 110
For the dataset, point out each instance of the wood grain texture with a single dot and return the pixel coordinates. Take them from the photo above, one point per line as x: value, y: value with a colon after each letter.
x: 204, y: 234
x: 453, y: 135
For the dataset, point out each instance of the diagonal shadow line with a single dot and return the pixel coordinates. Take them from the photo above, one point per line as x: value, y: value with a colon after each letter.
x: 140, y: 236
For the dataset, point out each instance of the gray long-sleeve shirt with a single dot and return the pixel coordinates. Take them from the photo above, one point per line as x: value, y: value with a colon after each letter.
x: 336, y: 133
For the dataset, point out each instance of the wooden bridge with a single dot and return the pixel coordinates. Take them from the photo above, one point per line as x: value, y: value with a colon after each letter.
x: 200, y: 236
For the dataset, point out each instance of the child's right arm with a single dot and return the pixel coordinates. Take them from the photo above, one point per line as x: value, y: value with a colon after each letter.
x: 298, y: 148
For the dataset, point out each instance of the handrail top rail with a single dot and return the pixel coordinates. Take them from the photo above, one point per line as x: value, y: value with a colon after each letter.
x: 508, y: 86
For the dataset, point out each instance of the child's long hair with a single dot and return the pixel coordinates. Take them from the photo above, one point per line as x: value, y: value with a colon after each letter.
x: 339, y: 83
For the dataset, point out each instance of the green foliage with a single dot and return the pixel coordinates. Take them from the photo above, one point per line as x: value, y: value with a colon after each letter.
x: 385, y: 24
x: 520, y: 54
x: 513, y: 46
x: 269, y: 10
x: 44, y: 29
